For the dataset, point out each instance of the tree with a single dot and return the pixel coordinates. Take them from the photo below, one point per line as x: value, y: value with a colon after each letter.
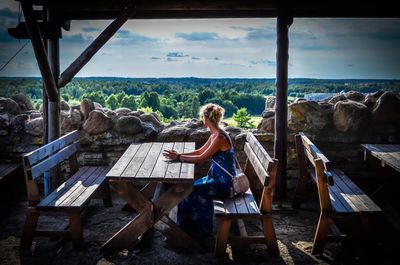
x: 150, y: 100
x: 95, y: 97
x: 243, y: 119
x: 195, y: 106
x: 112, y: 102
x: 129, y: 102
x: 205, y: 94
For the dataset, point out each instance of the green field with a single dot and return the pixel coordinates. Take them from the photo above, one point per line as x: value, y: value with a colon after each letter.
x: 255, y: 119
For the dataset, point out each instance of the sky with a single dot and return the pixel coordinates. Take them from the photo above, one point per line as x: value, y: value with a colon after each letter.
x: 219, y: 48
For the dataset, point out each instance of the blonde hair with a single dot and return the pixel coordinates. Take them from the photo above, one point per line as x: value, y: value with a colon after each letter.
x: 213, y: 112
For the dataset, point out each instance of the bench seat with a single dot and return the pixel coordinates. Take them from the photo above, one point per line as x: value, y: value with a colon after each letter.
x: 239, y: 206
x: 345, y: 195
x: 76, y: 191
x: 8, y: 169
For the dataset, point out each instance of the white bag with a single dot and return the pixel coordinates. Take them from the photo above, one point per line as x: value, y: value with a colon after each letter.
x: 240, y: 182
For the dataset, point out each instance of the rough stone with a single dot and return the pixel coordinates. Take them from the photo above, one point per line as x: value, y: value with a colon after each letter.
x: 174, y: 134
x: 267, y: 125
x: 387, y: 108
x: 337, y: 98
x: 9, y: 106
x: 149, y: 117
x: 35, y: 127
x: 64, y: 105
x: 268, y: 113
x: 5, y: 120
x: 370, y: 99
x: 71, y: 120
x: 23, y: 101
x: 355, y: 96
x: 270, y: 102
x: 97, y: 105
x: 97, y: 123
x: 350, y: 115
x: 86, y: 107
x: 309, y: 116
x: 122, y: 111
x: 128, y: 125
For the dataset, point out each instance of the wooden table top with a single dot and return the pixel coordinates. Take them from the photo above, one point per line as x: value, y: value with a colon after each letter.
x: 389, y: 154
x: 7, y: 168
x: 145, y: 161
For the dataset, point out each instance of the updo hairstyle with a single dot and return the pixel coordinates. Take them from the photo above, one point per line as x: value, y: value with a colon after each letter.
x: 213, y: 112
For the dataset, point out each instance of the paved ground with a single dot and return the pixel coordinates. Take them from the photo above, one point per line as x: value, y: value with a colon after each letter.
x: 294, y: 232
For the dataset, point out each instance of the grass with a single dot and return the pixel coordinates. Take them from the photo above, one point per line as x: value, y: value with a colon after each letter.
x: 255, y: 119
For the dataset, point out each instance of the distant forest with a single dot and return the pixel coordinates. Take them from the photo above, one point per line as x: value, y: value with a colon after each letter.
x: 182, y: 97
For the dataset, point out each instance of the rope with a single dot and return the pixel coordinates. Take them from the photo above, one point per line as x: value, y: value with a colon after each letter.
x: 20, y: 49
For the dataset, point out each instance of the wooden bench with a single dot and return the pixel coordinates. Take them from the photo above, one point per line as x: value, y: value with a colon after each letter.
x: 70, y: 197
x: 10, y: 180
x: 259, y: 167
x: 339, y: 197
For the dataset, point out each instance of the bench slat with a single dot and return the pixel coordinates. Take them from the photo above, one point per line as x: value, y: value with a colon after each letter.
x: 368, y: 203
x: 258, y: 168
x: 80, y: 186
x: 85, y: 195
x: 313, y: 149
x: 259, y: 150
x: 251, y: 203
x: 57, y: 194
x: 54, y: 160
x: 338, y: 203
x: 48, y: 149
x: 240, y: 204
x: 7, y: 169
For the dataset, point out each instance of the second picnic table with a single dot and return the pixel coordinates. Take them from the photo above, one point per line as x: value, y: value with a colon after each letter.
x: 145, y: 163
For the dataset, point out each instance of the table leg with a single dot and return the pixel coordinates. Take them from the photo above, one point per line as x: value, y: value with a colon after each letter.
x: 150, y: 214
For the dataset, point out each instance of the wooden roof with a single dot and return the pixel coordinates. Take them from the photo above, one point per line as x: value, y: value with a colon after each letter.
x: 170, y: 9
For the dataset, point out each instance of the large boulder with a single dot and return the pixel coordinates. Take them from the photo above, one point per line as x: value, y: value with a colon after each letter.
x: 337, y: 98
x: 309, y: 116
x: 97, y: 123
x: 9, y: 106
x: 267, y: 125
x: 174, y: 134
x: 350, y: 116
x: 86, y: 107
x: 71, y: 120
x: 23, y: 101
x: 149, y: 117
x: 387, y: 108
x: 35, y: 127
x: 355, y: 96
x: 372, y: 98
x: 97, y: 105
x: 270, y: 102
x: 64, y: 105
x: 18, y: 124
x: 129, y: 125
x: 122, y: 111
x: 5, y: 120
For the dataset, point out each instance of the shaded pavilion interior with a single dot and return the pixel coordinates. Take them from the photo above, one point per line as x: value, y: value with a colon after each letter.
x: 45, y: 19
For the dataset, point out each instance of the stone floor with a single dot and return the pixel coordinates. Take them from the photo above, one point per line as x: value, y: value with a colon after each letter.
x: 294, y: 230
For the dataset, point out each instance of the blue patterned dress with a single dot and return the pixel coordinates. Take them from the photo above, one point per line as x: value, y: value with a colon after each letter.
x: 195, y: 213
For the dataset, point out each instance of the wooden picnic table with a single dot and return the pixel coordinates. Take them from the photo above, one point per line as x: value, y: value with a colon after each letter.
x: 387, y: 154
x: 166, y: 184
x: 385, y: 158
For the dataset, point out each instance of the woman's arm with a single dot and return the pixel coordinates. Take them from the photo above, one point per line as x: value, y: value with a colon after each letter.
x: 195, y: 152
x: 214, y: 146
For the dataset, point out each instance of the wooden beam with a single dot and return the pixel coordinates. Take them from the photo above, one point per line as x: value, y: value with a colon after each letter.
x: 282, y: 59
x: 90, y: 51
x: 39, y: 50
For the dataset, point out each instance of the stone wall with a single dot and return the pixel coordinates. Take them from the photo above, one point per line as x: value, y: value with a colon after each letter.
x: 337, y: 126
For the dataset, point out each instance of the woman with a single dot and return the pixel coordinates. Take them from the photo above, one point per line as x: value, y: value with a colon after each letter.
x: 195, y: 213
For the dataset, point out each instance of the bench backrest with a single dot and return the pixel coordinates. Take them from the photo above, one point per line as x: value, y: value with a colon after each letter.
x: 260, y: 163
x: 308, y: 155
x: 45, y: 158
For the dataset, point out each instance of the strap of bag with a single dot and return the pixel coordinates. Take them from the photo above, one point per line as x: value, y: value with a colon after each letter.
x: 226, y: 171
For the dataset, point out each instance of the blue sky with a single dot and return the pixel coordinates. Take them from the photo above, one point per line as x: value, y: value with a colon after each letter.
x: 319, y: 48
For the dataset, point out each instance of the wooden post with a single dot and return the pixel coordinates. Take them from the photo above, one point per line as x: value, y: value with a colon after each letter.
x: 282, y: 57
x: 53, y: 111
x: 38, y: 48
x: 45, y: 99
x: 90, y: 51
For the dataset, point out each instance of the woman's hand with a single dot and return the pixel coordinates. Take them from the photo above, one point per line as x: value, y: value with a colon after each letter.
x: 171, y: 154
